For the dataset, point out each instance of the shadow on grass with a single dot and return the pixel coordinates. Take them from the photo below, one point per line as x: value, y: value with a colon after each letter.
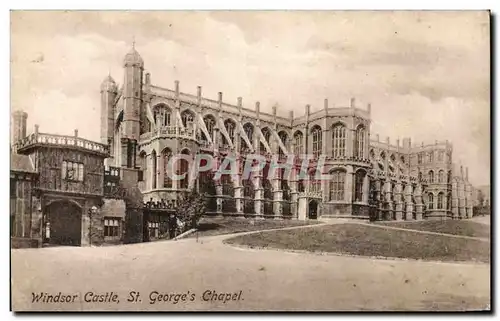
x: 362, y: 240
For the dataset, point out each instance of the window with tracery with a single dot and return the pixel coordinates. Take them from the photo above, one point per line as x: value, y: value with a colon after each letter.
x: 337, y: 185
x: 210, y: 125
x: 440, y: 201
x: 359, y: 142
x: 187, y: 118
x: 339, y: 140
x: 441, y: 178
x: 317, y: 141
x: 358, y: 185
x: 298, y: 143
x: 430, y: 201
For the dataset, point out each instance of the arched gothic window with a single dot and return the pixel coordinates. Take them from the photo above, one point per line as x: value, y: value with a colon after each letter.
x: 267, y: 137
x: 337, y: 185
x: 441, y: 176
x: 358, y: 185
x: 248, y: 128
x: 430, y: 201
x: 187, y: 118
x: 210, y: 124
x: 440, y: 201
x: 317, y: 141
x: 298, y: 143
x: 230, y: 127
x: 162, y: 115
x: 167, y: 117
x: 431, y: 177
x: 359, y: 142
x: 338, y: 140
x: 167, y: 180
x: 419, y: 176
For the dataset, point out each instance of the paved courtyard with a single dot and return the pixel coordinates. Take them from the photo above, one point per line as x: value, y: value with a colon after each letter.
x: 261, y: 280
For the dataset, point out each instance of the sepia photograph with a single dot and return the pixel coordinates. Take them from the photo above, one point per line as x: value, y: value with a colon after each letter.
x: 251, y: 161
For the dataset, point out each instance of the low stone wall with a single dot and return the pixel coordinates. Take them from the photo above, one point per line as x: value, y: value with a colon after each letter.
x: 23, y: 243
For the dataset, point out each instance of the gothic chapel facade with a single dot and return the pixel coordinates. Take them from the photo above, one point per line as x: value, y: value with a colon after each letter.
x: 145, y: 124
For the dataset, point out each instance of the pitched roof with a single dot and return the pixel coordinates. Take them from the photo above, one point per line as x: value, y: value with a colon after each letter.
x: 20, y: 163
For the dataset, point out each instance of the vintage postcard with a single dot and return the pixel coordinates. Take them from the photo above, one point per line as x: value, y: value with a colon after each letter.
x: 250, y: 161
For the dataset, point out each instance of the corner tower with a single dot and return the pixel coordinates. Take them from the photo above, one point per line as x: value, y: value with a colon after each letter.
x: 132, y: 100
x: 132, y: 94
x: 18, y: 127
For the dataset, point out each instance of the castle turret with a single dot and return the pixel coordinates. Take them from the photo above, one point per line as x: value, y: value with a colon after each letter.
x: 132, y: 94
x: 18, y: 127
x: 108, y: 96
x: 132, y: 101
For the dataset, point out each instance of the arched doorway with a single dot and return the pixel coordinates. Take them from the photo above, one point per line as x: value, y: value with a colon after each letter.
x: 65, y: 223
x: 313, y: 210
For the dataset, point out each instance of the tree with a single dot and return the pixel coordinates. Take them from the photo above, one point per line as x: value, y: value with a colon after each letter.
x: 192, y: 206
x: 480, y: 198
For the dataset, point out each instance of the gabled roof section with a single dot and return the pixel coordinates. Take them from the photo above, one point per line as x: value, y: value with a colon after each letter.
x: 20, y: 163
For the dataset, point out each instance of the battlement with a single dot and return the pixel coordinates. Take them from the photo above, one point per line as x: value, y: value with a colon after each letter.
x: 406, y: 145
x: 41, y: 139
x: 273, y: 117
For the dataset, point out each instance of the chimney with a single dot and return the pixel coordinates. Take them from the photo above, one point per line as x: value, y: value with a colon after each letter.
x: 467, y: 174
x: 290, y: 114
x: 353, y: 103
x: 326, y: 105
x: 76, y: 132
x: 274, y: 110
x: 308, y: 109
x: 148, y: 79
x: 37, y: 127
x: 257, y: 108
x: 18, y: 128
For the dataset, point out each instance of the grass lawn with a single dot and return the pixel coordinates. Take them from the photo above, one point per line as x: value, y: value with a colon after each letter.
x: 456, y: 227
x: 210, y: 226
x: 369, y: 241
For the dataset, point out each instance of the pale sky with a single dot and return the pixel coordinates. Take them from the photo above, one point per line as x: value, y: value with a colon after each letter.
x: 426, y: 74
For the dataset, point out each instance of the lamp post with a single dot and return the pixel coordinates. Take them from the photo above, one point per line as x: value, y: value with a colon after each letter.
x: 92, y: 211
